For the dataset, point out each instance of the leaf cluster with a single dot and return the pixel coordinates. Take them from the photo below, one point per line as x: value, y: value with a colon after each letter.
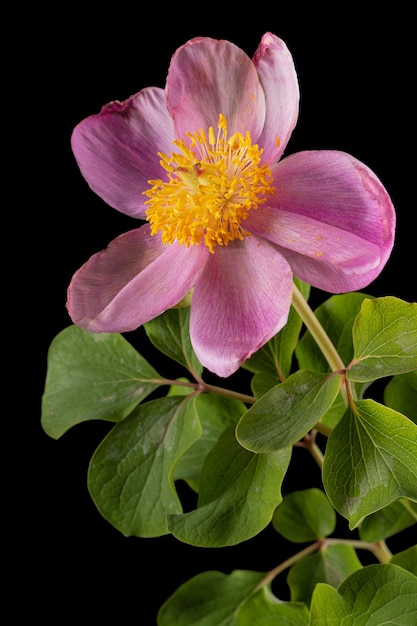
x: 233, y: 451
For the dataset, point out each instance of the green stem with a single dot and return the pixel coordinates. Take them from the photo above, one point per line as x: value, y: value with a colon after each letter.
x: 321, y: 337
x: 316, y: 329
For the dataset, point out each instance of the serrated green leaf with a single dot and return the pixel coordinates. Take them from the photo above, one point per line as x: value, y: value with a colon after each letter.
x: 407, y: 559
x: 287, y: 412
x: 92, y: 377
x: 384, y: 339
x: 170, y: 333
x: 209, y: 599
x: 263, y: 609
x: 130, y: 474
x: 401, y: 394
x: 370, y: 460
x: 272, y: 363
x: 371, y: 596
x: 332, y: 564
x: 215, y: 413
x: 389, y: 521
x: 305, y: 515
x: 239, y: 491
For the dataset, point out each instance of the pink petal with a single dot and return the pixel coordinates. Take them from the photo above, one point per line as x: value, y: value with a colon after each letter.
x: 207, y: 77
x: 240, y: 301
x: 132, y: 281
x: 332, y: 218
x: 117, y: 150
x: 279, y: 80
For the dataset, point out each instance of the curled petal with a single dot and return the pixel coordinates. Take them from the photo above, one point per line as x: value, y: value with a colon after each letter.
x: 279, y: 81
x: 117, y: 150
x: 332, y: 219
x: 132, y: 281
x: 207, y: 77
x: 322, y: 255
x: 240, y: 301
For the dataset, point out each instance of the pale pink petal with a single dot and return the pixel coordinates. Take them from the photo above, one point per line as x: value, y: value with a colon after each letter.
x: 279, y: 80
x: 240, y: 301
x: 117, y: 150
x: 207, y: 77
x: 332, y: 218
x: 132, y: 281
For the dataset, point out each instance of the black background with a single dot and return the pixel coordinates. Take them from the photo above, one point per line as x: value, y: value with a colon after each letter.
x: 356, y: 75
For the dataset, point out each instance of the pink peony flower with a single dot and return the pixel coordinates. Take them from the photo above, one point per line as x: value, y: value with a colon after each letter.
x: 226, y: 218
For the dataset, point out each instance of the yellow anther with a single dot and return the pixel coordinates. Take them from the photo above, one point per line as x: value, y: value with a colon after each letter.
x: 212, y: 185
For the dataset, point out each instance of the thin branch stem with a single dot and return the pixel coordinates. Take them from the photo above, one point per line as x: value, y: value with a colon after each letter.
x: 205, y: 387
x: 379, y: 549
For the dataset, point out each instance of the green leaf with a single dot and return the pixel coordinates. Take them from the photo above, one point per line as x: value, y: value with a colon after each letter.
x: 263, y: 609
x: 272, y: 363
x: 389, y: 521
x: 331, y: 565
x: 407, y: 559
x: 215, y: 413
x: 287, y: 412
x: 130, y: 473
x: 92, y: 377
x: 304, y: 515
x: 384, y: 338
x: 371, y: 596
x: 170, y: 333
x: 239, y: 491
x: 370, y: 460
x: 209, y: 599
x: 401, y: 394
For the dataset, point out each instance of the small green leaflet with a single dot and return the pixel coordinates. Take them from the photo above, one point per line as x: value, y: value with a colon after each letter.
x: 370, y: 460
x: 304, y: 515
x: 287, y: 411
x: 384, y: 338
x: 93, y: 377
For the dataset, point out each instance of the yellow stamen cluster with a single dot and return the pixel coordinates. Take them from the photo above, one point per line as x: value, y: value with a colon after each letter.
x: 212, y: 184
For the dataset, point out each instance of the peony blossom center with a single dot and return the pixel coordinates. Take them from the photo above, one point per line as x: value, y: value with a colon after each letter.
x: 212, y: 185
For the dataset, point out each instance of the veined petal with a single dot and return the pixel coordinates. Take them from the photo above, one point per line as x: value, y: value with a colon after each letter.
x: 331, y: 216
x: 279, y: 81
x: 117, y: 150
x: 132, y: 281
x: 335, y: 188
x: 207, y: 77
x: 240, y: 301
x: 320, y: 254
